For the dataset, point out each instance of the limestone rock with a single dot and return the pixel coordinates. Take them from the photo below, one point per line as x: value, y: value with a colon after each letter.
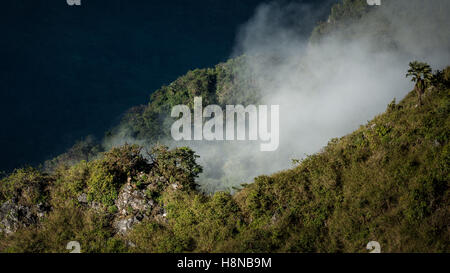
x: 14, y: 215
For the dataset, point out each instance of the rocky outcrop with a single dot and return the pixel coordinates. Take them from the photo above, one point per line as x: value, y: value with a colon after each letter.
x: 132, y: 200
x: 83, y: 200
x: 14, y: 215
x: 134, y: 206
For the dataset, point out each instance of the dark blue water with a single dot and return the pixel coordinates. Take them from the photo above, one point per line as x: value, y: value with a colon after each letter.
x: 67, y: 72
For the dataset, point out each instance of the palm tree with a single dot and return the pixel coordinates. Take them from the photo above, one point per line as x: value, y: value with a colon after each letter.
x: 421, y: 74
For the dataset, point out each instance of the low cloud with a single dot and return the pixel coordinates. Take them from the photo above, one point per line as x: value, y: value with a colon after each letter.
x: 325, y: 89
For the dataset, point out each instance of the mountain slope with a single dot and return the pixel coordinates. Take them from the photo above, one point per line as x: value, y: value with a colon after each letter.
x: 387, y: 181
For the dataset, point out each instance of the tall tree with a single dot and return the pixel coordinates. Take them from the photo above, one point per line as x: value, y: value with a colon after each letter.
x: 421, y: 74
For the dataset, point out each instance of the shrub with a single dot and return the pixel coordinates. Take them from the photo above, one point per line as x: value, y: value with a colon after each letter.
x: 175, y: 166
x: 28, y: 186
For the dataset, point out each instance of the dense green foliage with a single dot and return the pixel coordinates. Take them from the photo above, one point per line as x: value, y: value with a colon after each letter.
x: 101, y: 180
x: 227, y: 83
x: 28, y: 186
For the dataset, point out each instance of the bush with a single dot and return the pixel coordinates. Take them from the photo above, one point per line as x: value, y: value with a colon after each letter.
x: 175, y: 166
x: 28, y: 186
x: 108, y: 174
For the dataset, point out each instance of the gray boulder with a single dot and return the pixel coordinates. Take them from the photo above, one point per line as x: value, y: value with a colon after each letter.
x: 14, y: 215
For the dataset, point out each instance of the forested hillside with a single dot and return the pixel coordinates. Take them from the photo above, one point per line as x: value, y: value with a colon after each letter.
x: 387, y: 181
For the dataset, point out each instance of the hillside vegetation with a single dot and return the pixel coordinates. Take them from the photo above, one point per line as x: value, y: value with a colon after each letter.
x: 227, y: 83
x: 387, y: 181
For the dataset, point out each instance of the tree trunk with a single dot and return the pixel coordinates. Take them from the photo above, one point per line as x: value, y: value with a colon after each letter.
x: 419, y: 90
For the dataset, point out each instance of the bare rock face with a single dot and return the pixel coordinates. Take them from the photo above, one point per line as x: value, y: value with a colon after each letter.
x: 122, y: 226
x: 14, y: 215
x: 83, y: 200
x: 132, y: 200
x: 134, y: 203
x: 133, y: 207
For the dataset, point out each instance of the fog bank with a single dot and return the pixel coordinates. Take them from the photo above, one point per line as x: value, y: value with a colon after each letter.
x: 325, y: 89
